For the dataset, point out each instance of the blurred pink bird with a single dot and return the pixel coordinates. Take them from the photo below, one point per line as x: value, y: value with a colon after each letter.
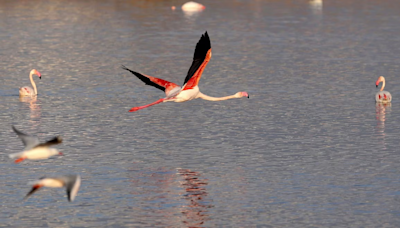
x: 27, y: 90
x: 191, y: 7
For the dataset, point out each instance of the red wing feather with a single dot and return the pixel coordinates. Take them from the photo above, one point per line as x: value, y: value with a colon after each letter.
x: 202, y: 56
x: 194, y: 80
x: 152, y: 81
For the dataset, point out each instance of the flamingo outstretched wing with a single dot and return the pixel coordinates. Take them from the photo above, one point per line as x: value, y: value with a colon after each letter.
x: 202, y: 56
x: 152, y: 81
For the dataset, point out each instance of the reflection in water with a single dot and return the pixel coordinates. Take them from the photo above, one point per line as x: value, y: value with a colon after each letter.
x: 191, y: 14
x: 33, y: 106
x: 316, y: 6
x: 195, y: 212
x: 380, y: 111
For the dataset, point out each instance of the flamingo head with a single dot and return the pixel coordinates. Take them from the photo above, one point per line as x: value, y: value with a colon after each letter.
x: 242, y: 94
x: 380, y: 79
x: 34, y: 71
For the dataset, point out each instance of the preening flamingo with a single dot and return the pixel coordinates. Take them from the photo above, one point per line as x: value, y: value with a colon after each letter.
x: 34, y: 150
x: 382, y: 96
x: 70, y: 182
x: 27, y: 90
x: 189, y: 90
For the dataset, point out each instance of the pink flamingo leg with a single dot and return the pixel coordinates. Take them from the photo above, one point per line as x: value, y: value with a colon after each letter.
x: 134, y: 109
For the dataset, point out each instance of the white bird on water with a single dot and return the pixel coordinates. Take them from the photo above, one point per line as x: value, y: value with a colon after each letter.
x: 28, y: 91
x: 382, y: 96
x: 191, y: 7
x: 70, y: 182
x: 34, y: 150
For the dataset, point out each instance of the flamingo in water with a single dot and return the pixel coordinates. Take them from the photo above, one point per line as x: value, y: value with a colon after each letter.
x: 191, y: 7
x: 189, y: 90
x: 382, y: 96
x: 27, y: 90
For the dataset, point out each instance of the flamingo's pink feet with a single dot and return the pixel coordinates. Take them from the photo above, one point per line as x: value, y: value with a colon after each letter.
x: 19, y: 160
x: 134, y: 109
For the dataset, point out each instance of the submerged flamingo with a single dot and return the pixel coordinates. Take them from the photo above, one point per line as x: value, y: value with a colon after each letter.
x: 382, y: 96
x: 27, y: 90
x: 189, y: 90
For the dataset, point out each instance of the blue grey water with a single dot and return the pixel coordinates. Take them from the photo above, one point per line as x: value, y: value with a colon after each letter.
x: 309, y: 148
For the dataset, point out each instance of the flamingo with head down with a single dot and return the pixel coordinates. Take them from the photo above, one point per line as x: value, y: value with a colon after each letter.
x: 27, y: 90
x: 189, y: 90
x: 382, y: 96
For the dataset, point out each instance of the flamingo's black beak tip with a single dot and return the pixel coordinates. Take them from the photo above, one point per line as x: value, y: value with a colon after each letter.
x: 376, y: 86
x: 40, y: 77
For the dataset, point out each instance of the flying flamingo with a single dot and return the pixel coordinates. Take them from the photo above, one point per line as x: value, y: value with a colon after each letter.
x: 189, y: 90
x: 34, y: 150
x: 382, y: 96
x: 70, y: 182
x: 27, y: 90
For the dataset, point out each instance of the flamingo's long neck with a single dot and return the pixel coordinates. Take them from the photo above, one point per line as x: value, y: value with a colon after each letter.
x: 134, y: 109
x: 383, y: 84
x: 206, y: 97
x: 33, y: 82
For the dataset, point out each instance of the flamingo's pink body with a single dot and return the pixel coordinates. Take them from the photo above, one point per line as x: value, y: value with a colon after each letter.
x: 189, y: 90
x: 27, y: 90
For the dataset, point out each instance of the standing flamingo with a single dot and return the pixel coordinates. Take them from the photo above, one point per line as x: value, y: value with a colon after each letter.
x: 27, y: 90
x: 382, y: 96
x: 189, y: 90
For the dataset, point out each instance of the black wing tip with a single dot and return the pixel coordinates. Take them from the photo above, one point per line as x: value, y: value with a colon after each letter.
x: 69, y: 195
x: 57, y: 139
x: 205, y: 41
x: 133, y: 72
x: 18, y: 132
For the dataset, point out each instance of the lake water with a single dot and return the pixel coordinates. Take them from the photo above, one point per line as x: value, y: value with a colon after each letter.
x: 310, y: 148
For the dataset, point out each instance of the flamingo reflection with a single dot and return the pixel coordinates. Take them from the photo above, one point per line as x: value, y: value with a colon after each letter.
x: 33, y: 106
x: 381, y: 109
x: 316, y: 6
x: 196, y: 212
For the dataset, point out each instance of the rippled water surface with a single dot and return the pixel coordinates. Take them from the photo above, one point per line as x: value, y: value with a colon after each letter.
x: 309, y: 148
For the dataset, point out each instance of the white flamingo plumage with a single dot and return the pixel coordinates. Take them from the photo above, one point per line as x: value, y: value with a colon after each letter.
x: 27, y: 90
x: 382, y: 96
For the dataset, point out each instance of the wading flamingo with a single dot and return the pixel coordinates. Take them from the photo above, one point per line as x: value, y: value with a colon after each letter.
x: 70, y: 182
x: 34, y: 150
x: 189, y: 90
x: 382, y: 96
x: 27, y: 90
